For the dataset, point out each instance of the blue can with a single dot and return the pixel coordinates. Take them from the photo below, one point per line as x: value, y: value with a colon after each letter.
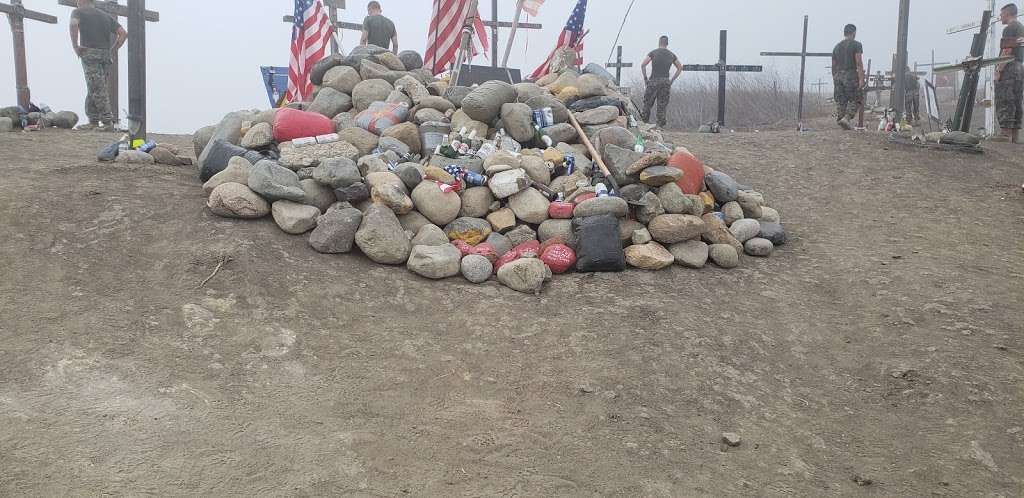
x: 570, y: 164
x: 538, y: 118
x: 474, y: 179
x: 148, y: 146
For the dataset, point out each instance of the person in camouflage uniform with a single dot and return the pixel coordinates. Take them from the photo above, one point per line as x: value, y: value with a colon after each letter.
x: 1010, y: 77
x: 913, y: 97
x: 95, y: 37
x: 848, y: 76
x: 659, y: 84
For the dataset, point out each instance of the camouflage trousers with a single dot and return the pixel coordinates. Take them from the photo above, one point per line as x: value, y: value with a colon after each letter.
x: 96, y: 64
x: 848, y: 94
x: 660, y: 90
x: 1010, y: 96
x: 913, y: 106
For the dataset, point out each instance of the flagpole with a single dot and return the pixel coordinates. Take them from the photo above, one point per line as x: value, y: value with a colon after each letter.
x: 512, y: 35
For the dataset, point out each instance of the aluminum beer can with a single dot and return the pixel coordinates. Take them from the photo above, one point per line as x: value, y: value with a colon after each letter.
x: 538, y: 118
x: 549, y: 117
x: 474, y: 179
x: 570, y: 164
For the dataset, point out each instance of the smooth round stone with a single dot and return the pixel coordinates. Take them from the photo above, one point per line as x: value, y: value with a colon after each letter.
x: 722, y: 186
x: 657, y: 176
x: 650, y: 256
x: 732, y: 212
x: 769, y: 215
x: 435, y: 262
x: 724, y: 255
x: 690, y: 254
x: 674, y: 228
x: 745, y: 229
x: 597, y: 206
x: 476, y: 268
x: 773, y: 232
x: 759, y: 247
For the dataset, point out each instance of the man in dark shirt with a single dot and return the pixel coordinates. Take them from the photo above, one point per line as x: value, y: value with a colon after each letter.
x: 659, y: 85
x: 913, y: 97
x: 1010, y: 77
x: 848, y: 76
x: 95, y: 36
x: 379, y: 30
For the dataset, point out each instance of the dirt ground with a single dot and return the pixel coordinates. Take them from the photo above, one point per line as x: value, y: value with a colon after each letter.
x: 878, y: 354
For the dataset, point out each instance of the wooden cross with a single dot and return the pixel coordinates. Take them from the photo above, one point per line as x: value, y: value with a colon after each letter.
x: 819, y: 86
x: 17, y: 13
x: 803, y: 54
x: 722, y: 69
x: 618, y: 65
x: 933, y: 65
x: 494, y: 25
x: 116, y: 10
x: 332, y: 13
x: 972, y: 67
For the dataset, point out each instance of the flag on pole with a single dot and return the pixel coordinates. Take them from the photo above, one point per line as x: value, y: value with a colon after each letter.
x: 571, y: 37
x: 311, y: 34
x: 445, y: 33
x: 532, y: 6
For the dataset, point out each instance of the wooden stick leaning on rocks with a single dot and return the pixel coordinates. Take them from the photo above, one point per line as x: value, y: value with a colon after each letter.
x: 593, y: 152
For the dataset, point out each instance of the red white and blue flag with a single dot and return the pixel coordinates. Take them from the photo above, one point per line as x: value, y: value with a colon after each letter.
x: 445, y: 33
x: 311, y: 34
x: 572, y: 37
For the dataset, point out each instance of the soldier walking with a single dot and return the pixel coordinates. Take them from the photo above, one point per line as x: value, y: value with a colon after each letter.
x: 913, y: 96
x: 659, y: 85
x: 848, y: 73
x: 95, y: 37
x: 379, y: 30
x: 1010, y: 77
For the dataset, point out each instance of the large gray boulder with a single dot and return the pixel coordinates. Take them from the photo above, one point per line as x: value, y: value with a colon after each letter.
x: 275, y: 182
x: 342, y: 78
x: 435, y: 262
x: 484, y: 103
x: 369, y: 91
x: 339, y: 172
x: 335, y: 231
x: 234, y: 200
x: 411, y: 59
x: 518, y: 121
x: 381, y: 237
x: 330, y: 102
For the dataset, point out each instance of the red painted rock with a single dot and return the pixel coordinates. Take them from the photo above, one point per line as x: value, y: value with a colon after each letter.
x: 693, y: 172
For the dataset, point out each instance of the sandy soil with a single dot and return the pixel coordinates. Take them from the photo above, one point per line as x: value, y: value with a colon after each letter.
x: 879, y: 354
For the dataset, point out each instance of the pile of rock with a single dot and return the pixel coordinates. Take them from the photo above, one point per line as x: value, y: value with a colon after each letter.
x: 10, y: 119
x: 400, y: 203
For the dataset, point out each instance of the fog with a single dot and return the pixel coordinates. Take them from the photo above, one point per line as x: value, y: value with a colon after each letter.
x: 204, y: 56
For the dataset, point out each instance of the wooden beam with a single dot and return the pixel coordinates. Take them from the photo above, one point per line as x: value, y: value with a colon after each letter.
x: 796, y: 54
x: 113, y: 8
x: 27, y: 14
x: 353, y: 26
x: 506, y: 24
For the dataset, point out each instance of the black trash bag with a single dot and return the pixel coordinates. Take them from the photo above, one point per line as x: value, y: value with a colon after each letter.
x: 595, y: 102
x: 599, y: 248
x: 108, y: 153
x: 218, y: 153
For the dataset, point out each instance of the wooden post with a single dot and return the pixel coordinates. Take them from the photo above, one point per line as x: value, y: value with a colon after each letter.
x: 494, y: 33
x: 16, y: 14
x: 900, y: 69
x: 114, y: 82
x: 137, y: 65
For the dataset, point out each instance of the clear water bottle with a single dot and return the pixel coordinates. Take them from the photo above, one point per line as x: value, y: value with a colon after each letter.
x: 601, y: 190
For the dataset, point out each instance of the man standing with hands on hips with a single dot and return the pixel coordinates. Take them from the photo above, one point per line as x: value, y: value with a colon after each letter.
x: 659, y: 85
x: 95, y: 37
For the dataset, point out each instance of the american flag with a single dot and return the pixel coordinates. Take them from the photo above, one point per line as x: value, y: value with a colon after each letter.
x: 445, y: 33
x: 310, y: 37
x: 532, y: 6
x: 570, y: 37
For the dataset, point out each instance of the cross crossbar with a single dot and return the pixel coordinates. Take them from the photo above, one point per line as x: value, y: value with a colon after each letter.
x: 506, y: 24
x: 717, y: 67
x: 113, y: 8
x: 19, y: 10
x: 352, y: 26
x: 796, y: 54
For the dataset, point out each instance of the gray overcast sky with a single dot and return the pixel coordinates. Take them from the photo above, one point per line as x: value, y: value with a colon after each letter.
x: 204, y: 55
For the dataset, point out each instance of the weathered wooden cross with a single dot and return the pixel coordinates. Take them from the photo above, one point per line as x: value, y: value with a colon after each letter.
x: 112, y: 7
x: 803, y: 54
x: 332, y: 13
x: 494, y: 24
x: 618, y: 65
x: 722, y: 69
x: 17, y: 13
x: 931, y: 66
x: 991, y: 52
x: 972, y: 67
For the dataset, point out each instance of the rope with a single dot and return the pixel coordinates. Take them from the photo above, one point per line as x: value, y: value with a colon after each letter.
x: 620, y: 30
